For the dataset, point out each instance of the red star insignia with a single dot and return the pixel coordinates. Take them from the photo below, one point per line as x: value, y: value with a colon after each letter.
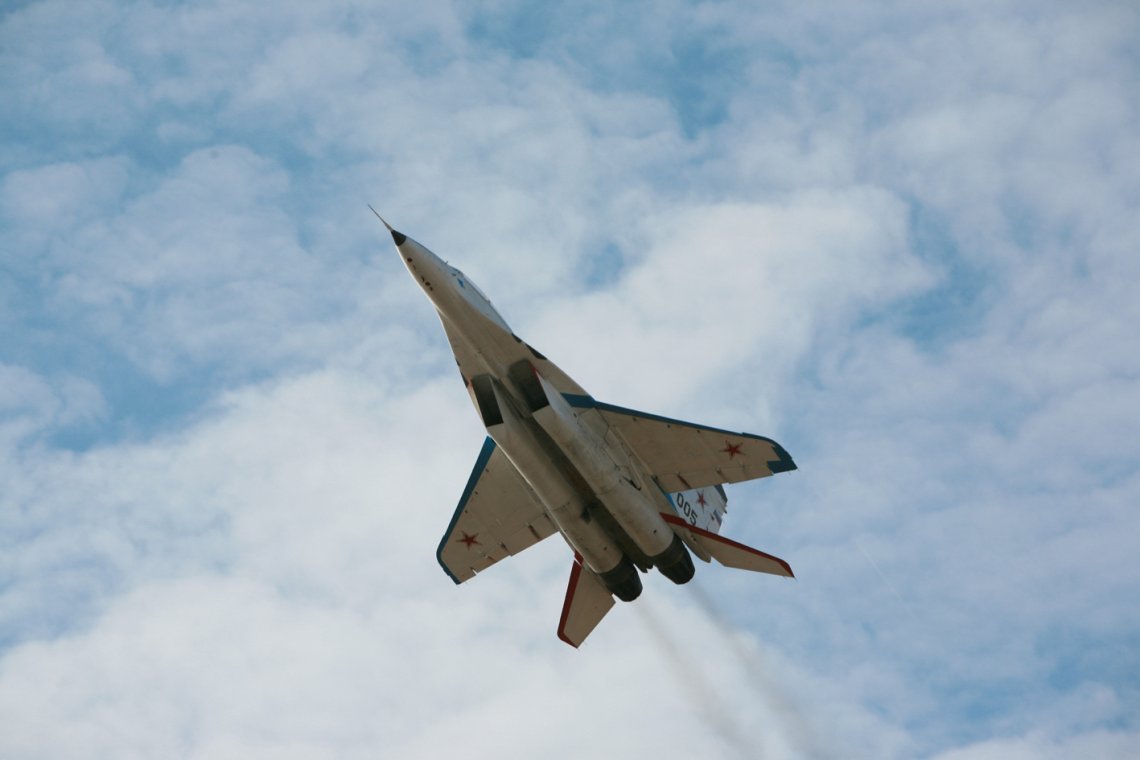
x: 732, y: 449
x: 701, y: 499
x: 469, y: 540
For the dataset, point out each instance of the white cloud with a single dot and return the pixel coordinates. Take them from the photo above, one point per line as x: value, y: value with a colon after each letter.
x: 1038, y: 746
x: 275, y: 591
x: 723, y: 284
x: 31, y: 404
x: 902, y: 243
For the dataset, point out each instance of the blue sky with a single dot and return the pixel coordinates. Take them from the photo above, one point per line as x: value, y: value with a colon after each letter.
x: 899, y: 240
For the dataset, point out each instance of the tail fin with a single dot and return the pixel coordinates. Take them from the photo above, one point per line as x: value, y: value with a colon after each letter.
x: 587, y: 602
x: 702, y: 507
x: 728, y: 552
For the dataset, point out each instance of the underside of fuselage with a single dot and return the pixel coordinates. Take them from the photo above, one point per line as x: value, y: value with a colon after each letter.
x: 514, y: 399
x: 518, y: 400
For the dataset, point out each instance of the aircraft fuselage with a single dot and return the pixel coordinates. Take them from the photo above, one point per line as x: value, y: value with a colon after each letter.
x: 626, y: 489
x: 603, y: 503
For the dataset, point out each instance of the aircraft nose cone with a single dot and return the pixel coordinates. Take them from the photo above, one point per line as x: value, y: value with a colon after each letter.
x: 398, y: 237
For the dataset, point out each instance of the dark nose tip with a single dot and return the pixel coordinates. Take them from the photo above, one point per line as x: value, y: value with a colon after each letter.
x: 398, y: 237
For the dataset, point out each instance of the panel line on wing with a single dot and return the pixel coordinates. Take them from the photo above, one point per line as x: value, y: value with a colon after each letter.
x: 498, y: 516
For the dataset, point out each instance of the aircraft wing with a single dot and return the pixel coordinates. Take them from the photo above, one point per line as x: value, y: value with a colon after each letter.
x: 498, y: 515
x: 683, y: 456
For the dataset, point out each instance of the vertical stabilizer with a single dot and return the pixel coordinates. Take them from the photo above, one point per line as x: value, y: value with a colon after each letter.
x: 702, y: 508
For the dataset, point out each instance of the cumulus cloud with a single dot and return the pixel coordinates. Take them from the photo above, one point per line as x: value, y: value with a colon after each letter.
x: 898, y: 240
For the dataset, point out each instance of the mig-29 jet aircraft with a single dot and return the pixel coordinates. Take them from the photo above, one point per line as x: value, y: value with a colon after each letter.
x: 627, y: 490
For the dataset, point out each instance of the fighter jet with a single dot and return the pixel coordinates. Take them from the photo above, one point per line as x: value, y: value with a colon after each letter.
x: 627, y: 490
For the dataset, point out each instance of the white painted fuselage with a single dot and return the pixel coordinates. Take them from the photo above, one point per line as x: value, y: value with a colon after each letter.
x: 602, y: 502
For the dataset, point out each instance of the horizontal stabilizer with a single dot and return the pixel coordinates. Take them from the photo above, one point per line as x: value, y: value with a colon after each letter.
x: 731, y: 553
x: 587, y: 602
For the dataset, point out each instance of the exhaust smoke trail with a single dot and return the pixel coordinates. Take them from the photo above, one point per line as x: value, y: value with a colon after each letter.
x: 804, y: 738
x: 696, y: 687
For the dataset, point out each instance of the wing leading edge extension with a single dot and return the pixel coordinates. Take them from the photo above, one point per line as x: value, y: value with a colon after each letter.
x: 498, y: 516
